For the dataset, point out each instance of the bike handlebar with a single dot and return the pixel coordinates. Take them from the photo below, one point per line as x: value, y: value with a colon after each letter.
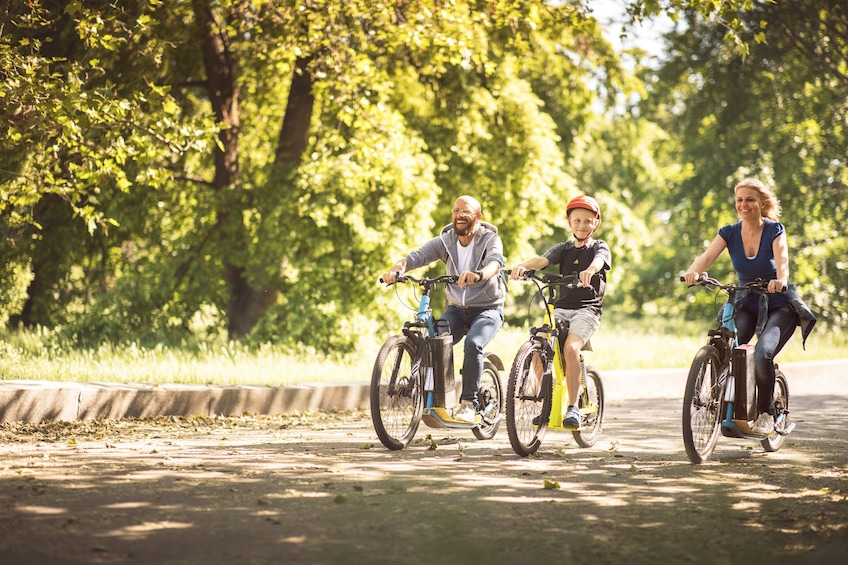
x: 425, y: 281
x: 571, y: 280
x: 758, y: 285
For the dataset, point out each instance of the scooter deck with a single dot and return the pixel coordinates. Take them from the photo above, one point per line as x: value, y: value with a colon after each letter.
x: 560, y: 427
x: 439, y: 417
x: 742, y: 429
x: 553, y: 425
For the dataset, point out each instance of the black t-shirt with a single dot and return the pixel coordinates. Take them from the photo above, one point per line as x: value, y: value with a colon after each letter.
x: 572, y: 259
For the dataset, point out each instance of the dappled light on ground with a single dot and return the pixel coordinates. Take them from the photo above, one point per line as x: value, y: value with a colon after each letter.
x: 321, y: 488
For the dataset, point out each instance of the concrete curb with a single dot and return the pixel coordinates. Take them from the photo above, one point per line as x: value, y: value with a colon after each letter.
x: 38, y: 401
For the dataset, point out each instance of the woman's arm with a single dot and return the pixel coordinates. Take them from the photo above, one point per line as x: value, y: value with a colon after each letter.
x: 705, y: 260
x: 781, y: 261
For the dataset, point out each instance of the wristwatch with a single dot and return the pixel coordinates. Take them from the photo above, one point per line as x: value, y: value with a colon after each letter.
x: 479, y: 275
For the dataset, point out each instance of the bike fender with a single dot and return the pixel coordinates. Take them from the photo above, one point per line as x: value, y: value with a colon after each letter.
x: 495, y: 360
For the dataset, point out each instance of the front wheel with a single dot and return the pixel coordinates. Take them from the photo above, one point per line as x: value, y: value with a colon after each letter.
x: 781, y: 408
x: 702, y: 404
x: 528, y: 399
x: 397, y: 397
x: 490, y: 399
x: 591, y: 405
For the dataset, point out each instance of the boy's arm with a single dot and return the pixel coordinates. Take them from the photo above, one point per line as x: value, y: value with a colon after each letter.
x: 600, y: 261
x: 535, y: 263
x: 594, y: 267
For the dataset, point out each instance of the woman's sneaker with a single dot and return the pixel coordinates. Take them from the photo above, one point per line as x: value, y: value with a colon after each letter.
x: 572, y: 418
x: 764, y: 425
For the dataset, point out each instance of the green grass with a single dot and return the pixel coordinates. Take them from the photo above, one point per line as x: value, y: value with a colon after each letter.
x: 620, y: 344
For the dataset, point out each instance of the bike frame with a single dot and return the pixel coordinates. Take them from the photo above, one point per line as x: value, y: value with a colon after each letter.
x: 413, y: 378
x: 728, y: 424
x: 425, y: 313
x: 425, y: 319
x: 561, y: 399
x: 731, y: 427
x: 438, y: 395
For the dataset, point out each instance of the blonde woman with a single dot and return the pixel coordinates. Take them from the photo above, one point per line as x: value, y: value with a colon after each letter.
x: 758, y: 250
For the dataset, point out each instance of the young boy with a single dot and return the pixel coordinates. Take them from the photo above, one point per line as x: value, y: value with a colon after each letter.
x: 580, y: 307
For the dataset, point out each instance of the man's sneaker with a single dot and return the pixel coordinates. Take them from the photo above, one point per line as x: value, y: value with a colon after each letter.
x: 764, y: 425
x: 572, y: 418
x: 464, y: 412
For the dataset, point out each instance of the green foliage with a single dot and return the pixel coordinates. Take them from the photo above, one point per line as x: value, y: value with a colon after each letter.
x: 89, y: 134
x: 133, y: 209
x: 759, y: 115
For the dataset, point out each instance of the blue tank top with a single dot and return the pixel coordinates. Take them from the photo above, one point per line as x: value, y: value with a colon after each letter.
x: 761, y: 266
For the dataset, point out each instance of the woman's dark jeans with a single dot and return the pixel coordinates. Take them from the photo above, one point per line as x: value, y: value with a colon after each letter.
x: 779, y: 327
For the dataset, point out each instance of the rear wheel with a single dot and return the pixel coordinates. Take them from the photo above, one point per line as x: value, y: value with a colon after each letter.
x: 397, y: 397
x: 591, y: 405
x: 490, y: 399
x: 702, y: 405
x: 528, y: 399
x: 781, y: 408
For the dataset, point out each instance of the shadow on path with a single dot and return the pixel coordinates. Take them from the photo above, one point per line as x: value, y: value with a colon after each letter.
x: 322, y: 489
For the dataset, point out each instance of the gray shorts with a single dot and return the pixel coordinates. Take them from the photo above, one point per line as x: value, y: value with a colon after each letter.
x: 583, y: 322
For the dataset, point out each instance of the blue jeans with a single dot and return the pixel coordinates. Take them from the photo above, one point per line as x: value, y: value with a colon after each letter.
x: 780, y: 326
x: 478, y: 326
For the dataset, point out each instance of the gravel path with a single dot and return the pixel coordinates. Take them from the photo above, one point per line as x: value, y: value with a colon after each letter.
x: 320, y: 488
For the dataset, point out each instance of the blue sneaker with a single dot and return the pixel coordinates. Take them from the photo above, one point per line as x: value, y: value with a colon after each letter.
x: 572, y: 418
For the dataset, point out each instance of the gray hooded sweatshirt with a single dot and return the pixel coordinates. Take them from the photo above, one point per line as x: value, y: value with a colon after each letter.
x: 487, y: 248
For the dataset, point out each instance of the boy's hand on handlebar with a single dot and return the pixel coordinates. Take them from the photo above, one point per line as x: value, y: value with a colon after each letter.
x: 586, y: 278
x: 517, y: 272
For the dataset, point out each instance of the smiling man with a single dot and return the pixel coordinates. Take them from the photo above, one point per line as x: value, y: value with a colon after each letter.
x: 472, y: 250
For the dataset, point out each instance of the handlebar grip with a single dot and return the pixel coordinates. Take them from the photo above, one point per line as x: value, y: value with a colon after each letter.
x: 528, y: 273
x: 701, y: 277
x: 400, y: 277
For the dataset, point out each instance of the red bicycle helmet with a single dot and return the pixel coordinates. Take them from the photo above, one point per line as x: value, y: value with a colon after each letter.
x: 585, y: 202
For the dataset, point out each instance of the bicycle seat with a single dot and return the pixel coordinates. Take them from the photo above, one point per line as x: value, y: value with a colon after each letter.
x: 562, y: 328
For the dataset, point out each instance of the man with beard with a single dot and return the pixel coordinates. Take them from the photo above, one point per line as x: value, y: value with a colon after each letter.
x: 473, y: 251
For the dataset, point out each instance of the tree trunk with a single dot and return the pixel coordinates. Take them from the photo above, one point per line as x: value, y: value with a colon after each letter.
x: 294, y: 135
x: 49, y: 261
x: 247, y: 303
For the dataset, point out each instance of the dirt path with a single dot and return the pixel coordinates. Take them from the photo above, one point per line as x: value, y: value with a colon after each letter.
x: 322, y: 489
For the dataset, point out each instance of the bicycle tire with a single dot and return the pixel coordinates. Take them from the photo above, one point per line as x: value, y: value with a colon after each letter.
x: 781, y: 406
x: 490, y: 398
x: 397, y: 396
x: 702, y: 402
x: 528, y: 398
x: 591, y: 422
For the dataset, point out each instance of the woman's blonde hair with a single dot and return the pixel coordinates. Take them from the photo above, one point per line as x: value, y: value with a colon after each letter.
x: 769, y: 204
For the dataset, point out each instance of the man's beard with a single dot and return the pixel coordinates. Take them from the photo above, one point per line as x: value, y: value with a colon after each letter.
x: 468, y: 230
